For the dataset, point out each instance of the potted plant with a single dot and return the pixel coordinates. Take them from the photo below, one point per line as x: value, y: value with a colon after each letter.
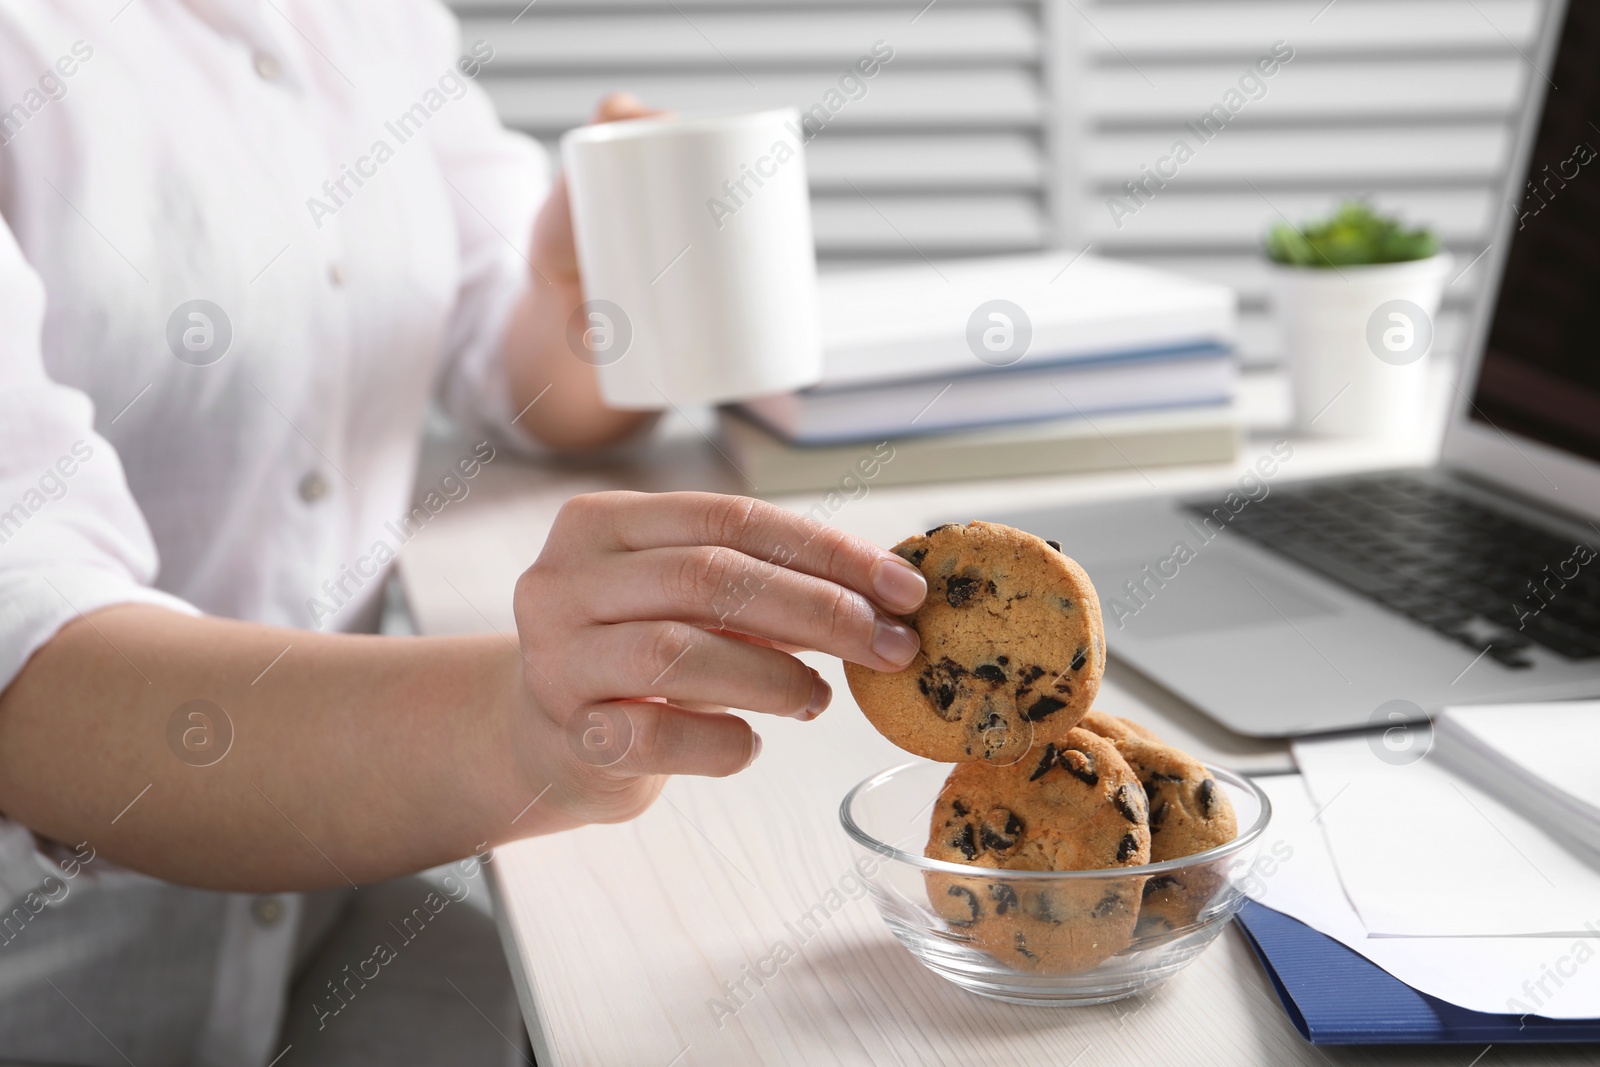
x: 1356, y: 295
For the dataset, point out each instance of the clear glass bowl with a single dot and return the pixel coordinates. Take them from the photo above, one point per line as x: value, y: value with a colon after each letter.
x: 1044, y: 937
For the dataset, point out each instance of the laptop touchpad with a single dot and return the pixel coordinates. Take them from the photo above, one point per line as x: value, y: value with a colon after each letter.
x: 1206, y: 594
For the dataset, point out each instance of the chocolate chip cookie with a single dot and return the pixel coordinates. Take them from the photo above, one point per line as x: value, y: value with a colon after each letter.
x: 1012, y: 648
x: 1189, y: 813
x: 1071, y: 805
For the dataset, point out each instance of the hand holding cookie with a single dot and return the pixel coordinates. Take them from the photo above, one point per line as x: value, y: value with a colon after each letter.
x: 646, y: 616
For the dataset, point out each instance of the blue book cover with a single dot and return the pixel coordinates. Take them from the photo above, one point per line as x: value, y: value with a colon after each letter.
x: 1335, y: 996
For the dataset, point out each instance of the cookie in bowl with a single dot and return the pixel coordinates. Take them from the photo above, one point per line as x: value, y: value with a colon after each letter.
x: 1189, y: 814
x: 1073, y: 805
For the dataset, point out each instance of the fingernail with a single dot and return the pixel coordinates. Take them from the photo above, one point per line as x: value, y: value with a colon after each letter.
x: 898, y: 585
x: 755, y: 748
x: 821, y: 695
x: 894, y: 642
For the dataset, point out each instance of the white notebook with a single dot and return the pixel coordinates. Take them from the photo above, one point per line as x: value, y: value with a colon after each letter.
x: 910, y: 321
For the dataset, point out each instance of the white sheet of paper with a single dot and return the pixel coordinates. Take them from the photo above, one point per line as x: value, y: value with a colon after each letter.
x: 1555, y: 977
x: 1421, y: 852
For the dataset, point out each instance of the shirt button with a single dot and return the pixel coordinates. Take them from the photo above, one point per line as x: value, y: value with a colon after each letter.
x: 313, y: 487
x: 336, y: 274
x: 267, y: 67
x: 266, y: 910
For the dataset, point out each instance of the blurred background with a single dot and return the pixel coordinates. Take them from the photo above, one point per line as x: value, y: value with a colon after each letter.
x: 1005, y: 126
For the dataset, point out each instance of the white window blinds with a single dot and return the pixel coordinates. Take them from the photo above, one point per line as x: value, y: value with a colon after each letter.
x: 1005, y: 126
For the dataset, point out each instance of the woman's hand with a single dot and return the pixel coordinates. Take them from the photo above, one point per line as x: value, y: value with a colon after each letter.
x: 647, y: 614
x: 554, y: 255
x: 537, y: 352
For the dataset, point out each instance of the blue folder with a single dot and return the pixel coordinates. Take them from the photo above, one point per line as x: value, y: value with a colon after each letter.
x: 1335, y: 996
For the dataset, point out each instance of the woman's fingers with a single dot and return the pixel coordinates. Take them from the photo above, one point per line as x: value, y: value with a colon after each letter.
x: 684, y: 663
x: 636, y: 521
x: 652, y: 738
x: 623, y: 105
x: 720, y: 588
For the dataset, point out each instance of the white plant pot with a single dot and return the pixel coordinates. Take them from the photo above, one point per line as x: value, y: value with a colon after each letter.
x: 1357, y: 344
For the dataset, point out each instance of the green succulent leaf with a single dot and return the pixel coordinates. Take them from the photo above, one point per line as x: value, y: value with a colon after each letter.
x: 1354, y: 235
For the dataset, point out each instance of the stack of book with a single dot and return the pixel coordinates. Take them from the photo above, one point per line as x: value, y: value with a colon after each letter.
x: 1014, y: 365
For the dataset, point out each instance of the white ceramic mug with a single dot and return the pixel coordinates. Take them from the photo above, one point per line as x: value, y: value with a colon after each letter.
x: 1357, y: 344
x: 699, y: 268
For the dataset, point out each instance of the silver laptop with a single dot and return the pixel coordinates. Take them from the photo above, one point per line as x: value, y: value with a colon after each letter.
x: 1311, y: 608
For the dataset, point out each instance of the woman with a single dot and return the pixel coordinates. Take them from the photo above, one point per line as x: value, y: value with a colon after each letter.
x: 247, y: 244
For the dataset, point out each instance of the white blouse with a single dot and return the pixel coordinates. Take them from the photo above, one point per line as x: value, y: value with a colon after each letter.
x: 246, y: 244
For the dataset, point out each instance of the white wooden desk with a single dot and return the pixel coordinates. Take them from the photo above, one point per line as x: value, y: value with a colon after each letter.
x: 621, y: 937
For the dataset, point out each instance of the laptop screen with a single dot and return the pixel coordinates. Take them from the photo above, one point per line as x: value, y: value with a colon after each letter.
x: 1541, y: 367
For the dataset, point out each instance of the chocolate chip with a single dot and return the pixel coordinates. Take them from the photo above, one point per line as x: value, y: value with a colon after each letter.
x: 1002, y: 660
x: 1207, y: 795
x: 916, y: 557
x: 959, y: 806
x: 966, y: 842
x: 1080, y: 659
x: 1043, y: 708
x: 1005, y: 898
x: 936, y: 529
x: 1126, y: 847
x: 1130, y: 802
x: 990, y: 673
x: 1080, y: 765
x: 1158, y: 815
x: 1000, y: 830
x: 1026, y: 677
x: 1045, y: 764
x: 1054, y: 544
x: 937, y: 684
x: 1108, y: 904
x: 972, y: 903
x: 957, y: 591
x: 1022, y: 947
x: 1158, y: 883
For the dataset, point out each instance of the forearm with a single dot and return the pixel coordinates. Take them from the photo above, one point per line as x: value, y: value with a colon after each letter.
x: 353, y: 758
x: 570, y: 416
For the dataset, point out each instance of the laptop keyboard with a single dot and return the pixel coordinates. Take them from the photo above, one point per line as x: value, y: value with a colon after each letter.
x: 1471, y: 573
